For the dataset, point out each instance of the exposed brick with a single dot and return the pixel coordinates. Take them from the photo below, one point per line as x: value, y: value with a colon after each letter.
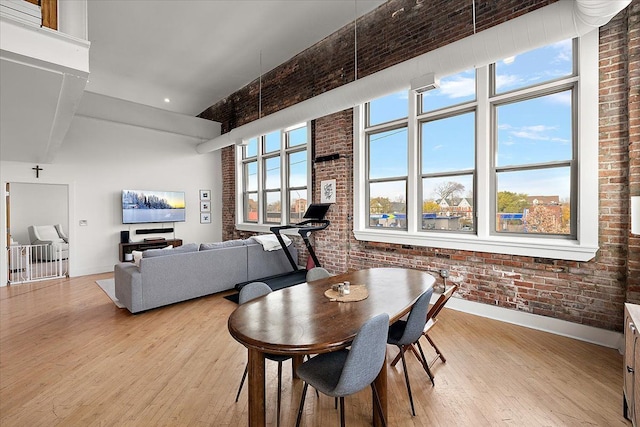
x: 591, y: 293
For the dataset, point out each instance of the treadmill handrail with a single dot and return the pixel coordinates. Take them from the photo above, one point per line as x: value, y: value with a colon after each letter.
x: 301, y: 225
x: 304, y: 233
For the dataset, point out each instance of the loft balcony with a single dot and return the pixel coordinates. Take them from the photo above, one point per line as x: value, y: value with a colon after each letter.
x: 44, y: 67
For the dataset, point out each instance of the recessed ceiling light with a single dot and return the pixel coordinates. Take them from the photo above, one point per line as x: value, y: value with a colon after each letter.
x: 167, y: 100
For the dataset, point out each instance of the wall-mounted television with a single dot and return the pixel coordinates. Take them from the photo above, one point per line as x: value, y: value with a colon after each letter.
x: 145, y: 206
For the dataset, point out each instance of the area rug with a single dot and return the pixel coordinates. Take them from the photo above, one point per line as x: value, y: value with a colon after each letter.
x: 109, y: 288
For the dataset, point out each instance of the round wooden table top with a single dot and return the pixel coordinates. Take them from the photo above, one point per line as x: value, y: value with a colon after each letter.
x: 302, y: 320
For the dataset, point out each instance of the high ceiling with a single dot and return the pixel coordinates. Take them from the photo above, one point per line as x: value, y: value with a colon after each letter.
x: 195, y: 53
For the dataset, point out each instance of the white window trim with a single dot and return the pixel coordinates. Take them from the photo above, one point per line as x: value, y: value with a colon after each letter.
x: 583, y: 248
x: 261, y: 226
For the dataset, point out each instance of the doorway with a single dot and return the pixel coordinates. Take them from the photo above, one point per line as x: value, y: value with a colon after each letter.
x: 34, y: 204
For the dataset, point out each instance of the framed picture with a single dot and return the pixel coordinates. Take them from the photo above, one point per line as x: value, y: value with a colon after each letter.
x: 205, y: 194
x: 328, y: 191
x: 205, y: 218
x: 205, y: 207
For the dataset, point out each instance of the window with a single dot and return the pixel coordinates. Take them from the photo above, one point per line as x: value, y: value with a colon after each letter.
x: 274, y: 178
x: 488, y: 161
x: 447, y: 139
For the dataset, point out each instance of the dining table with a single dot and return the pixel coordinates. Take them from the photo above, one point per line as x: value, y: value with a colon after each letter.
x: 302, y: 320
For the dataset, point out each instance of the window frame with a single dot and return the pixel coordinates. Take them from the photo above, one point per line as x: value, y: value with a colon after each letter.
x: 445, y: 113
x: 261, y: 225
x: 529, y: 93
x: 581, y: 247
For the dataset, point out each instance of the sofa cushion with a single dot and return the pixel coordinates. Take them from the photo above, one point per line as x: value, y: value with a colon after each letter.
x: 219, y: 245
x: 189, y: 247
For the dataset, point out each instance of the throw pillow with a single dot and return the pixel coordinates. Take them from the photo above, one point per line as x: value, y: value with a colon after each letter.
x: 137, y: 256
x: 189, y: 247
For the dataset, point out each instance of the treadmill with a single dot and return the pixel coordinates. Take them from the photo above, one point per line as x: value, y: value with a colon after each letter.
x: 313, y: 221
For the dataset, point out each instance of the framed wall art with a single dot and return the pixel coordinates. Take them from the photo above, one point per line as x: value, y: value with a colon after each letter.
x: 328, y: 191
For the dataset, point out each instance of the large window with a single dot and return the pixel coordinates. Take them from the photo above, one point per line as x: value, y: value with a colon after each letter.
x: 489, y: 161
x: 274, y: 178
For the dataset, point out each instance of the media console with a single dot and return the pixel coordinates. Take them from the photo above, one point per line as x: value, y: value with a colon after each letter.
x: 126, y: 248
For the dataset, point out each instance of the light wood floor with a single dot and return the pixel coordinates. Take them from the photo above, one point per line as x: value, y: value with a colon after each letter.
x: 70, y: 357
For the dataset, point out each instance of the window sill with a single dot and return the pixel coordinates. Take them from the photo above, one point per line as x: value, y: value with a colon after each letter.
x: 531, y: 247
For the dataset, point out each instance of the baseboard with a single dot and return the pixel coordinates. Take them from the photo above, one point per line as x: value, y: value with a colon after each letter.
x: 77, y: 272
x: 585, y: 333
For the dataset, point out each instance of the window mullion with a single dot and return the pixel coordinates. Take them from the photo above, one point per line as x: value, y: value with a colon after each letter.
x: 414, y: 203
x: 240, y: 186
x: 284, y: 179
x: 261, y: 181
x: 485, y: 180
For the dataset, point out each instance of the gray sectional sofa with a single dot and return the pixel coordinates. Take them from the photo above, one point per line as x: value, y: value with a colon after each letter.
x: 167, y: 276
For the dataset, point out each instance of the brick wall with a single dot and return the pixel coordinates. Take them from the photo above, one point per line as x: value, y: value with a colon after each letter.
x: 590, y: 293
x: 633, y: 88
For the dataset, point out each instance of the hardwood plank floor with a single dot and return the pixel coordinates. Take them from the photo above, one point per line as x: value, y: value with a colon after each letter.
x: 70, y: 357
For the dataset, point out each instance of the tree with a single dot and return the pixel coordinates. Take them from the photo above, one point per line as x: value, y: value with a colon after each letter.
x: 546, y: 219
x: 449, y: 189
x: 566, y: 215
x: 429, y: 206
x: 274, y: 207
x: 511, y: 202
x: 379, y: 205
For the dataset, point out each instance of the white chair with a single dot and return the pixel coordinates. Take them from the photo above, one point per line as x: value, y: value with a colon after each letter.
x: 52, y: 238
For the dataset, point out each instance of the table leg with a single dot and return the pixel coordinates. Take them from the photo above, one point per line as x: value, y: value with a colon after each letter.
x: 256, y: 392
x: 381, y: 385
x: 296, y: 361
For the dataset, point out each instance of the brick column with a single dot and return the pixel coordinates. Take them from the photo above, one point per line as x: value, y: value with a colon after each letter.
x: 633, y: 55
x: 334, y: 135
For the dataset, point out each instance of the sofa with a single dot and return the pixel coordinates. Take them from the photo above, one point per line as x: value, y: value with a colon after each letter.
x: 167, y: 276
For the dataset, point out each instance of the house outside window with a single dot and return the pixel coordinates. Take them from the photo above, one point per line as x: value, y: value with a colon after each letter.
x: 274, y: 178
x: 490, y: 158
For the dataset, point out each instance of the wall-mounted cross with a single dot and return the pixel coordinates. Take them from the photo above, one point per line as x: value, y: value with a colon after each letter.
x: 37, y: 169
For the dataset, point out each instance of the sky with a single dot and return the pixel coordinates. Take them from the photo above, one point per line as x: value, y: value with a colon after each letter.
x: 528, y: 132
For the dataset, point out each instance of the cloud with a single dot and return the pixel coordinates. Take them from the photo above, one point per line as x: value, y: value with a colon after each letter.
x: 458, y: 87
x: 564, y: 51
x: 532, y: 133
x: 562, y: 98
x: 529, y: 135
x: 438, y: 147
x: 536, y: 132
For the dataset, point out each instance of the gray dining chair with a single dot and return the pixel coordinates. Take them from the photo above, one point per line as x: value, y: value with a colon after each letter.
x: 249, y: 292
x: 317, y: 273
x: 405, y: 332
x: 432, y: 319
x: 345, y: 372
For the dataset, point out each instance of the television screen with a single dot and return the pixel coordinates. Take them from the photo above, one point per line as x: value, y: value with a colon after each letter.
x: 142, y: 206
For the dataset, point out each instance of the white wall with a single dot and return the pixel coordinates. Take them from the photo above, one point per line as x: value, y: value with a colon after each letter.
x: 37, y: 204
x: 97, y: 160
